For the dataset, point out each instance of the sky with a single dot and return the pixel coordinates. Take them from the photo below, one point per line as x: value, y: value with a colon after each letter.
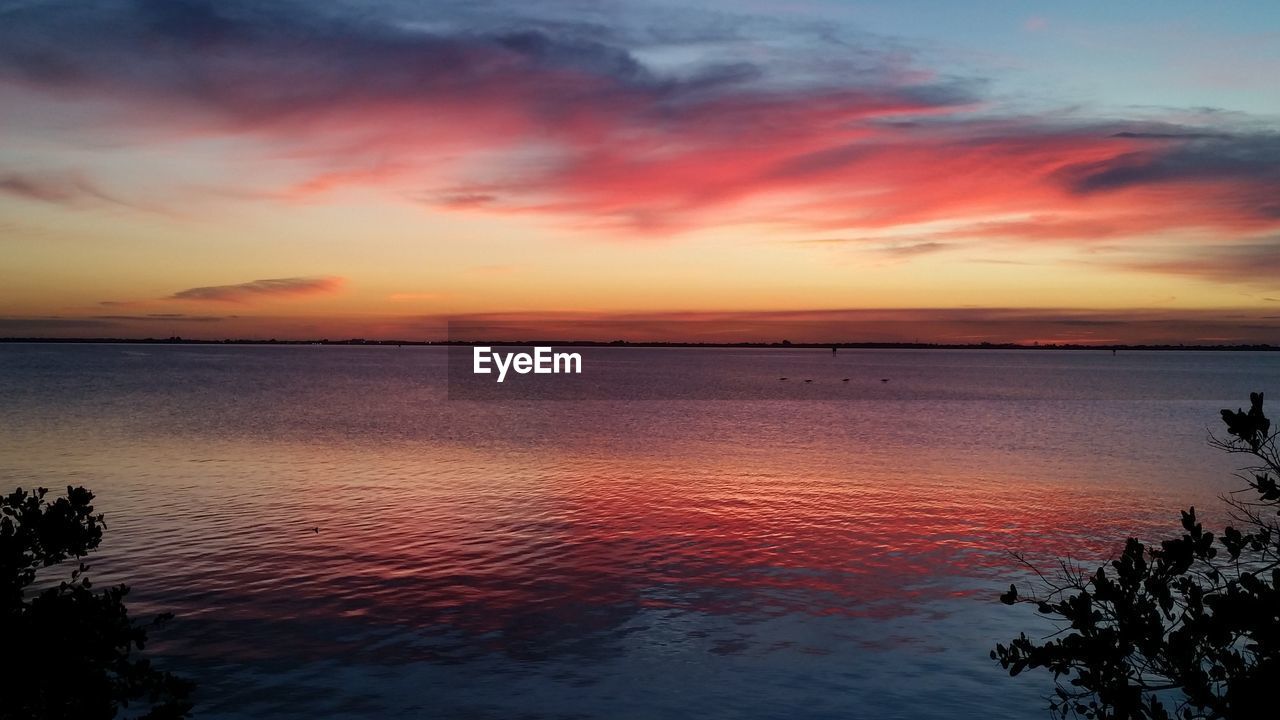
x: 1090, y: 172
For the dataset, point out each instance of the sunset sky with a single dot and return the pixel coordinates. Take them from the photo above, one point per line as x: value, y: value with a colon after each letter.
x: 1026, y: 171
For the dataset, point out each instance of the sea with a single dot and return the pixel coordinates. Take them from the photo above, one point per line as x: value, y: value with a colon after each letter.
x: 341, y: 532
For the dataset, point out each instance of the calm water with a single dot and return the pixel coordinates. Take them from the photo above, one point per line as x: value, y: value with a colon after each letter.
x: 827, y: 550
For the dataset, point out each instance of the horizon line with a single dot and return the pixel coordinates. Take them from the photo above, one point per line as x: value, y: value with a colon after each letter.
x: 781, y: 345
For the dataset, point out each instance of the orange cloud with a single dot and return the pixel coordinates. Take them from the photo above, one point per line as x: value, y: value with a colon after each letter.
x: 243, y: 292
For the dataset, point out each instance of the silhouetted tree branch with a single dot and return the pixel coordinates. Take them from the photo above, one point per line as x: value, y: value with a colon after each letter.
x: 1187, y: 630
x: 69, y: 651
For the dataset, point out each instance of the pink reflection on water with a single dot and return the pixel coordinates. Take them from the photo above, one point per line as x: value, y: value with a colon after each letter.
x: 570, y: 550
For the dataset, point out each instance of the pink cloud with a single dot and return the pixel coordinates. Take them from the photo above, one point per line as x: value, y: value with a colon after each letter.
x: 569, y: 125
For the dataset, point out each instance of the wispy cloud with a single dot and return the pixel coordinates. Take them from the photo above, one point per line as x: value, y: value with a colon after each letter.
x: 165, y: 317
x: 900, y: 250
x: 415, y: 296
x: 278, y: 287
x: 1255, y: 263
x: 70, y: 188
x: 139, y: 325
x: 943, y: 325
x: 49, y: 325
x: 61, y: 188
x: 909, y: 250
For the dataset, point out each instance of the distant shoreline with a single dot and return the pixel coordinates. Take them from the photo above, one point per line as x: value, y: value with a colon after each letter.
x: 783, y: 345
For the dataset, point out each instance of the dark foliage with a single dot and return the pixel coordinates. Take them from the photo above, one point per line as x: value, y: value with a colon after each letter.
x: 70, y: 651
x: 1189, y: 629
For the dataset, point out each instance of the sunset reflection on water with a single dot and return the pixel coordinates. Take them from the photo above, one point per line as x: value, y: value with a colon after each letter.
x: 334, y: 534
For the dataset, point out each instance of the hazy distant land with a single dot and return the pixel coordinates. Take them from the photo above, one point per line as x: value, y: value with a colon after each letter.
x: 782, y: 344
